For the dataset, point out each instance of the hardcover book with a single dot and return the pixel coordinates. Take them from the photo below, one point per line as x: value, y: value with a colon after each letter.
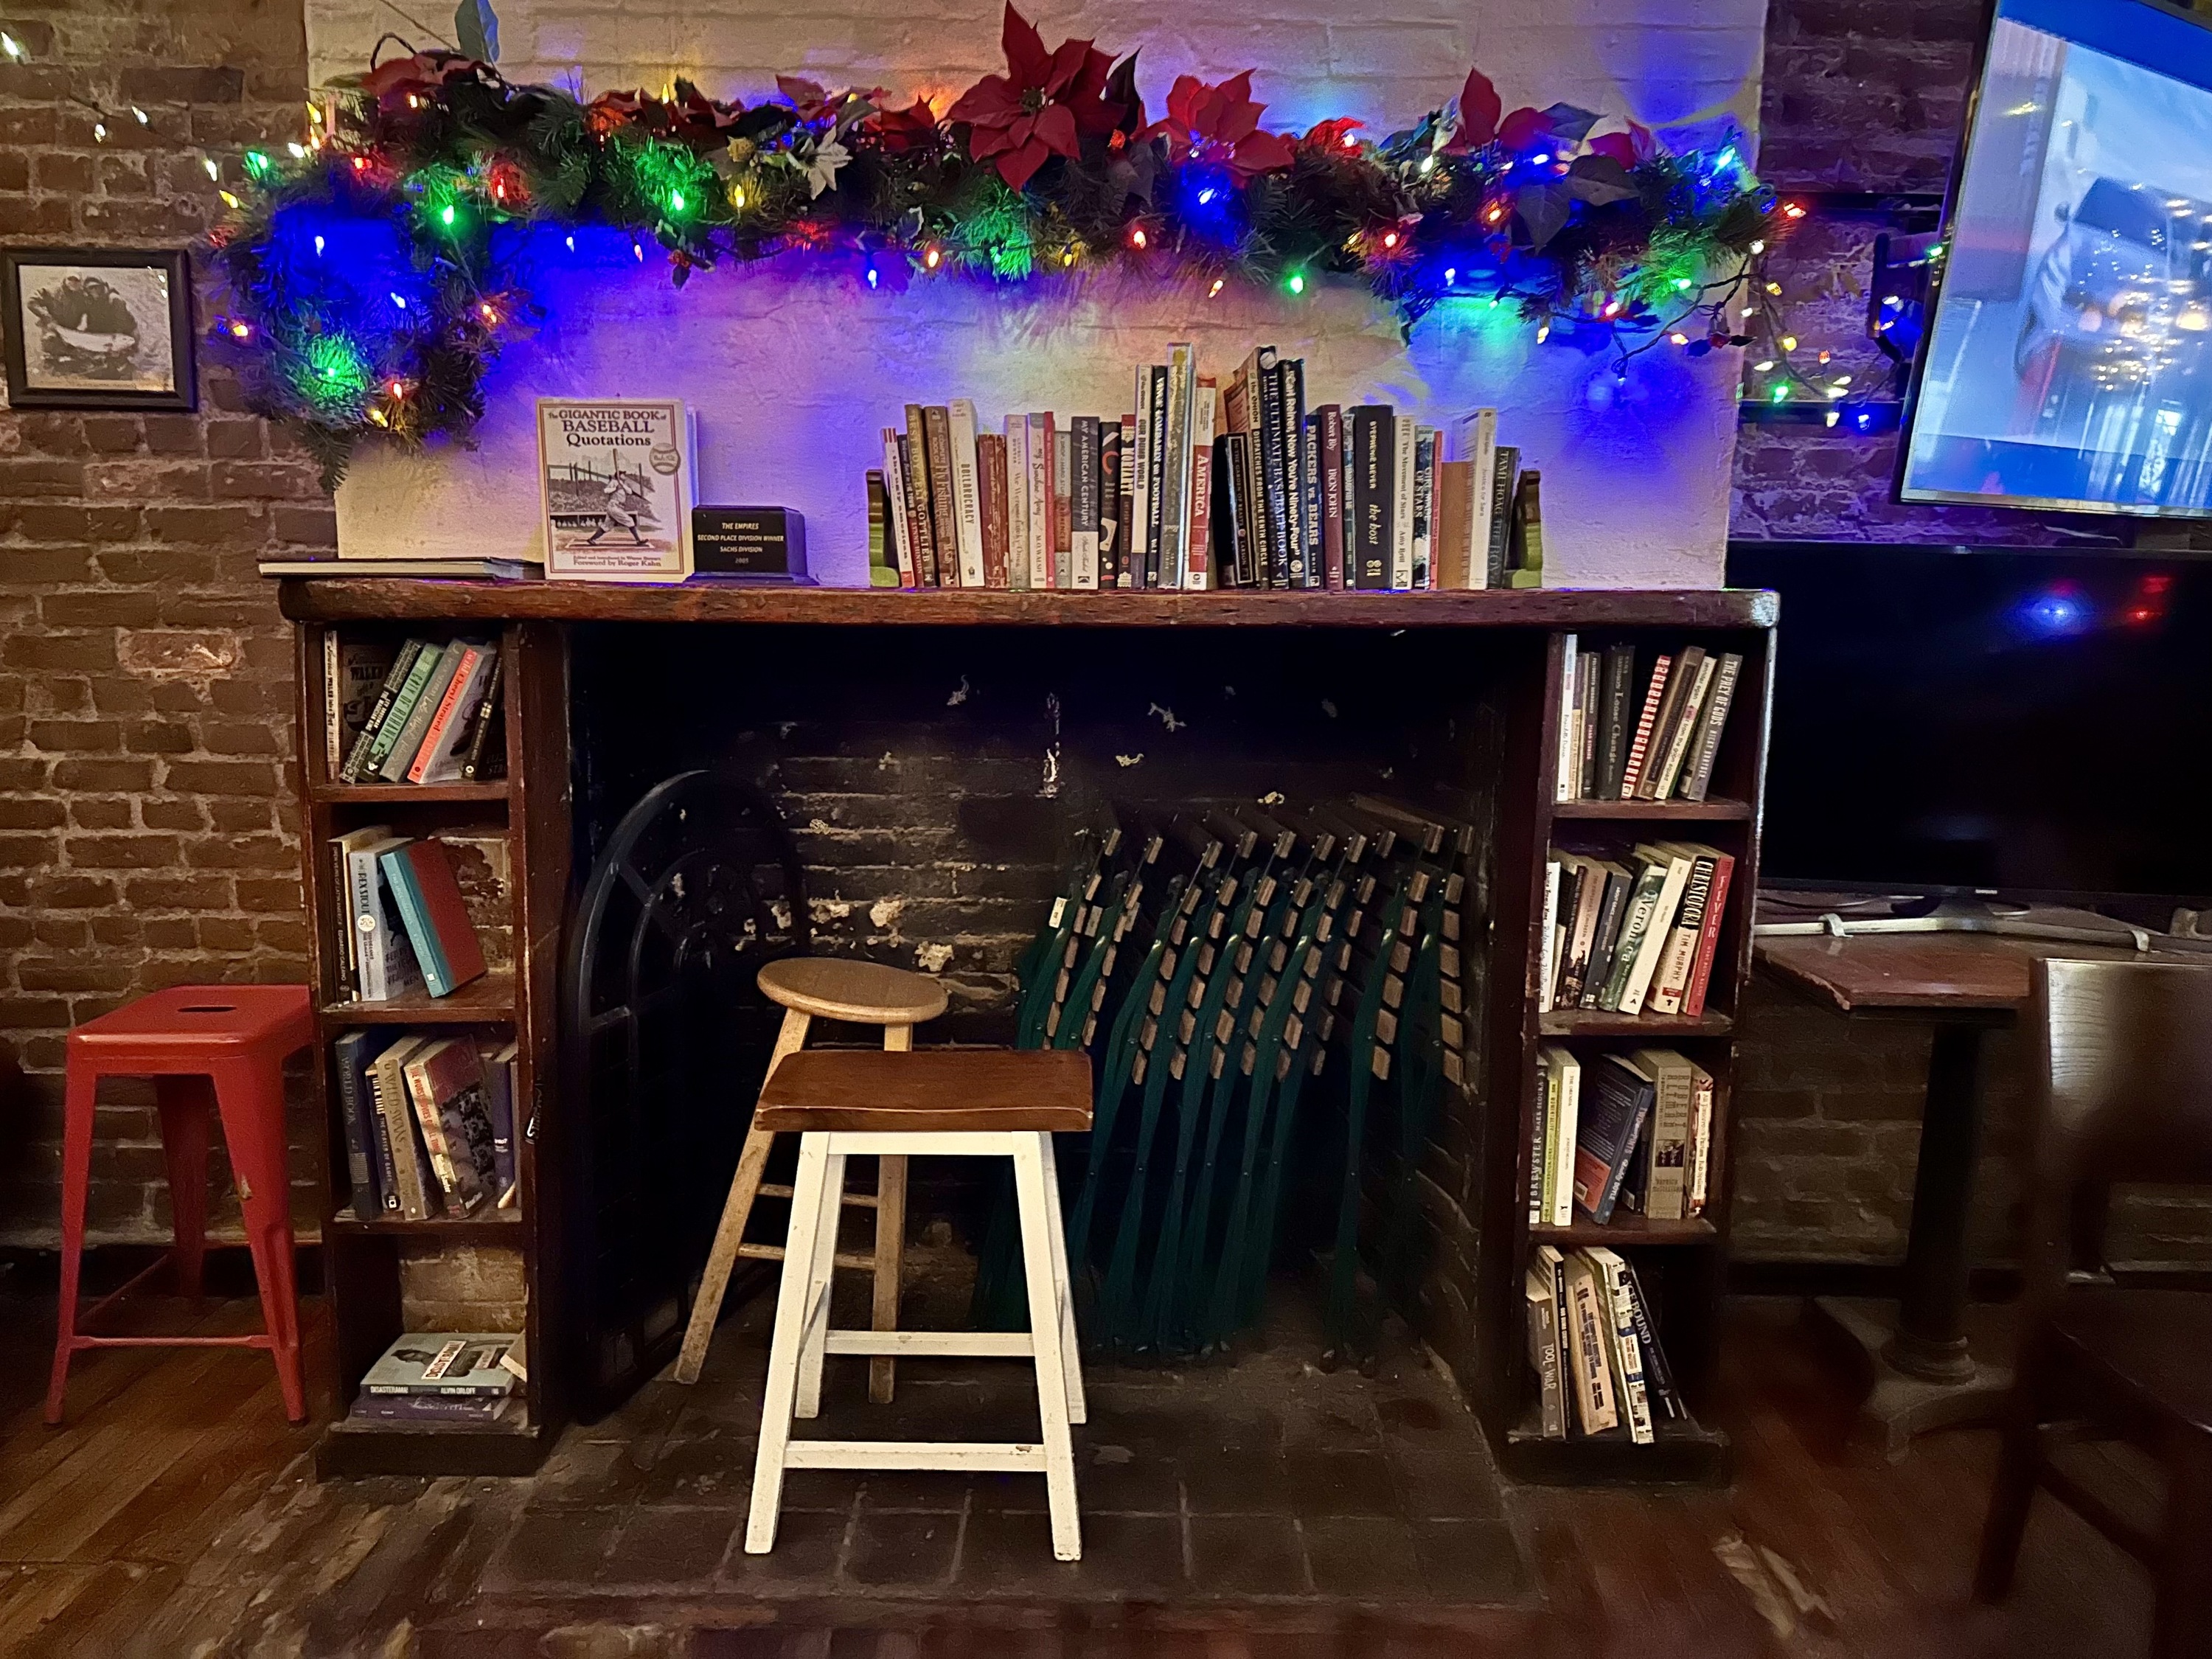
x: 1617, y: 1097
x: 616, y: 476
x: 442, y: 1362
x: 967, y: 490
x: 420, y: 874
x: 354, y: 672
x: 445, y: 1085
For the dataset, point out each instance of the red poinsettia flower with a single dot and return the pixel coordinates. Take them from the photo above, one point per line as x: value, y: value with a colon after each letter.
x: 691, y: 116
x: 1638, y: 144
x: 1332, y: 137
x: 903, y: 131
x: 390, y: 84
x: 1219, y: 127
x: 1478, y: 107
x: 1039, y: 109
x: 812, y: 103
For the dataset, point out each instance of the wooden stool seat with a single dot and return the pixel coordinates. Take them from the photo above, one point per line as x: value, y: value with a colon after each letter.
x: 809, y: 988
x: 865, y: 992
x: 864, y: 1092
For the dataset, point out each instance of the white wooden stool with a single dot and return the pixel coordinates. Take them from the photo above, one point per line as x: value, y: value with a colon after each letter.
x: 808, y: 988
x: 943, y: 1102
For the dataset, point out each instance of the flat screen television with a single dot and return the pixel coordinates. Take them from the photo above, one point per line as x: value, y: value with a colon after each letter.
x: 2068, y: 361
x: 2033, y: 724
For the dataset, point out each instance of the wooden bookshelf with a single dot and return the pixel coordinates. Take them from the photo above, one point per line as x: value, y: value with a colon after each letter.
x: 1503, y: 753
x: 363, y: 1255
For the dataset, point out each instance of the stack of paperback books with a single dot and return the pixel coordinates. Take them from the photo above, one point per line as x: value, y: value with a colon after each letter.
x: 1641, y: 1138
x: 1205, y: 484
x: 430, y: 1123
x: 403, y: 928
x: 1594, y: 1347
x: 444, y: 1376
x: 1617, y: 745
x: 425, y: 713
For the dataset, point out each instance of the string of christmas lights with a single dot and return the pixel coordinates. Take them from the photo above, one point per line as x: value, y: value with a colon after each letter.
x: 374, y: 270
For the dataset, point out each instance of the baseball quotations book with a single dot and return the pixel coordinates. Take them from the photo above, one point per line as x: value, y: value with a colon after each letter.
x: 617, y: 476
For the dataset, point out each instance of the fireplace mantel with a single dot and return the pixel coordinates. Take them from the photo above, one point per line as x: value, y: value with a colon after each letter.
x: 401, y: 599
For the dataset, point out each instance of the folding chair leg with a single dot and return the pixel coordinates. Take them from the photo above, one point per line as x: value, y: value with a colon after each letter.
x: 1070, y: 1357
x: 1046, y: 1286
x: 814, y: 1334
x: 791, y: 1307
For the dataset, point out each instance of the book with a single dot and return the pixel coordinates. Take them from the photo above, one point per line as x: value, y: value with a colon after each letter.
x: 1453, y: 502
x: 1374, y: 477
x: 1589, y: 1318
x: 1504, y: 472
x: 420, y: 874
x: 967, y: 489
x: 1175, y: 521
x: 616, y: 480
x: 1126, y: 512
x: 1290, y: 372
x: 445, y: 1085
x: 353, y: 672
x: 1110, y: 498
x: 1679, y: 961
x: 1582, y: 931
x: 1707, y: 748
x: 396, y: 676
x: 353, y: 1056
x: 1709, y: 935
x: 430, y: 692
x: 1665, y: 1194
x: 1016, y: 454
x: 1676, y: 710
x: 442, y: 1363
x: 991, y: 486
x: 1617, y: 685
x: 1401, y: 502
x: 516, y: 1360
x: 913, y: 467
x: 1566, y: 1121
x: 1624, y: 1350
x: 1566, y: 752
x: 1658, y: 1375
x: 425, y: 663
x: 385, y: 962
x: 1543, y: 1315
x: 1083, y: 501
x: 1540, y: 1119
x: 485, y: 754
x: 1616, y: 1100
x: 1205, y: 412
x: 437, y: 756
x: 1423, y: 490
x: 490, y: 570
x: 944, y: 518
x: 896, y: 508
x: 1605, y: 936
x: 1478, y: 440
x: 1141, y: 480
x: 1647, y: 879
x: 1284, y: 561
x: 414, y: 1192
x: 1063, y: 506
x: 883, y: 562
x: 502, y: 1073
x: 1701, y: 1137
x: 1548, y: 945
x: 1309, y: 484
x: 479, y: 1410
x: 1039, y: 449
x: 1639, y: 743
x: 1332, y: 496
x: 1674, y: 865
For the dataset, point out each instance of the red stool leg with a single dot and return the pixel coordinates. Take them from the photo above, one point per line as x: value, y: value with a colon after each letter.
x: 252, y: 1099
x: 188, y: 1106
x: 76, y: 1184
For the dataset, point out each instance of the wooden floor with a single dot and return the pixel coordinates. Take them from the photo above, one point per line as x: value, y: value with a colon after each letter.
x: 174, y: 1515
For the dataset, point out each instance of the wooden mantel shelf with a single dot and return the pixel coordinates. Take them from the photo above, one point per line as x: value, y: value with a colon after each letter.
x: 407, y: 599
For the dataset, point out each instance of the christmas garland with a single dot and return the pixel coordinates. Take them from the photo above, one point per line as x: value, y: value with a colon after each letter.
x: 373, y: 271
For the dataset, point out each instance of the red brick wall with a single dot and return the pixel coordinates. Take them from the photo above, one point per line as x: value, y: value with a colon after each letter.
x: 146, y: 831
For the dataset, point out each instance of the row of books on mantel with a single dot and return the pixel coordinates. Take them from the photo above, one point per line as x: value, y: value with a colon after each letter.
x: 1594, y: 1347
x: 401, y: 926
x: 425, y: 712
x: 430, y: 1123
x: 1633, y: 1130
x: 444, y: 1376
x: 1614, y: 745
x: 1633, y: 933
x: 1206, y: 485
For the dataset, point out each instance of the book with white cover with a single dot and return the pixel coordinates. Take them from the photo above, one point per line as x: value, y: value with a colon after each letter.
x: 967, y: 492
x: 615, y: 475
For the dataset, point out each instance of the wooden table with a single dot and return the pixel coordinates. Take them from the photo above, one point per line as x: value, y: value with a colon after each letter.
x: 1964, y: 985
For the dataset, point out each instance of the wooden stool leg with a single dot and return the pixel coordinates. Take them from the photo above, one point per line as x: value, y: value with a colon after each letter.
x: 821, y: 1283
x: 1071, y: 1358
x: 791, y: 1311
x: 890, y: 1239
x: 186, y: 1104
x: 1045, y: 1290
x: 736, y: 1211
x: 76, y: 1183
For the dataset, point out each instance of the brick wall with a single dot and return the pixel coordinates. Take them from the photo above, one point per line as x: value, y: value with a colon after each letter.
x: 146, y: 833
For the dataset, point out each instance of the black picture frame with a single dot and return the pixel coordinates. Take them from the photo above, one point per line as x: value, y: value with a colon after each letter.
x: 24, y: 374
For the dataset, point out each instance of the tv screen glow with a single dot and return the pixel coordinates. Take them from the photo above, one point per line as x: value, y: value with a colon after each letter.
x: 2069, y: 363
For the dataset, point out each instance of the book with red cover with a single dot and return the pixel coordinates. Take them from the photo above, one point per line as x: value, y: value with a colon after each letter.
x: 991, y: 469
x: 429, y: 898
x: 1639, y: 749
x: 1708, y: 937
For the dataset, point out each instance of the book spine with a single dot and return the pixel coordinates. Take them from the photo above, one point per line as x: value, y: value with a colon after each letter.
x: 1297, y: 473
x: 1480, y: 443
x: 379, y: 1136
x: 1424, y: 498
x: 1658, y: 1375
x: 1373, y: 475
x: 1639, y: 746
x: 1175, y: 521
x: 450, y: 710
x: 1540, y: 1138
x: 365, y: 916
x: 422, y: 1095
x: 1586, y: 1329
x: 921, y: 508
x: 333, y: 706
x: 1126, y: 558
x: 1083, y: 501
x: 342, y: 897
x: 894, y: 507
x: 1672, y: 979
x: 1140, y: 479
x: 1708, y: 937
x: 1689, y: 720
x: 1017, y: 503
x: 967, y: 489
x: 1565, y: 1130
x: 1592, y: 694
x: 1331, y: 462
x: 364, y: 746
x: 1198, y: 560
x: 488, y: 723
x: 1708, y: 734
x: 944, y: 505
x: 408, y: 743
x: 1632, y: 1391
x: 1547, y: 950
x: 1309, y: 500
x: 1656, y: 933
x: 1566, y: 768
x: 1642, y: 901
x: 353, y: 1114
x: 1156, y: 404
x: 991, y: 478
x: 1109, y: 502
x: 1401, y: 503
x: 1666, y: 1193
x: 1040, y: 490
x: 1701, y: 1140
x: 1275, y: 482
x: 393, y: 1111
x: 1504, y: 470
x: 1256, y: 570
x: 1063, y: 506
x: 407, y: 898
x: 1544, y: 1353
x: 402, y: 711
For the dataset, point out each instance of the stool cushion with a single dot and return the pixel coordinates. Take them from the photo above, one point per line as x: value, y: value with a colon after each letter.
x: 866, y: 992
x: 867, y: 1090
x: 202, y: 1019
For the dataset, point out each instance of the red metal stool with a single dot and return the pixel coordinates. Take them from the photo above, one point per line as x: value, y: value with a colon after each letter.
x: 219, y: 1046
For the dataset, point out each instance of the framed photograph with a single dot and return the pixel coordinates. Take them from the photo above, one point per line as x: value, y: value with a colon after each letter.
x: 97, y: 328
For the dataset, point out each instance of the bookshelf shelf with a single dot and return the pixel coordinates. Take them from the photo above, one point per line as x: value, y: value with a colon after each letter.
x: 351, y: 1448
x: 1627, y: 1231
x: 1595, y: 1022
x: 407, y: 795
x: 488, y: 1226
x: 481, y: 1001
x: 1654, y: 812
